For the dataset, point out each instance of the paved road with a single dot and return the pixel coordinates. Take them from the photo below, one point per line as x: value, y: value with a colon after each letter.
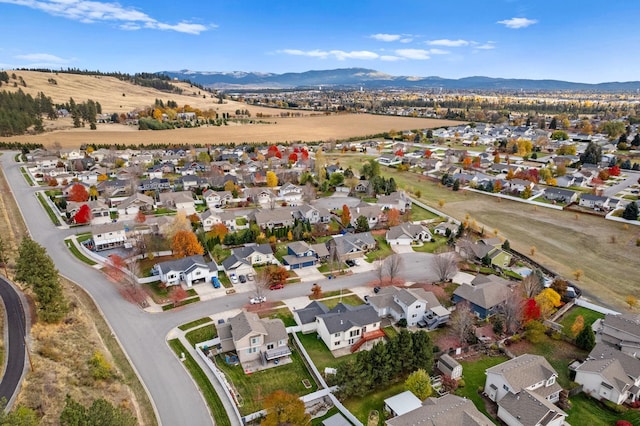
x: 632, y: 177
x: 142, y: 335
x: 16, y: 353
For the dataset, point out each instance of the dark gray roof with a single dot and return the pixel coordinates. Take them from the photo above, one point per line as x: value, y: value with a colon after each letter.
x: 185, y: 264
x: 247, y: 250
x: 444, y: 411
x: 299, y: 247
x: 343, y: 317
x: 628, y: 323
x: 245, y: 323
x: 486, y: 295
x: 229, y: 263
x: 353, y: 242
x: 530, y: 409
x: 309, y: 313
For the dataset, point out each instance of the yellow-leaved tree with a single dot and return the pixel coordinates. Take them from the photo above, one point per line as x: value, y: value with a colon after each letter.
x: 185, y: 243
x: 272, y: 179
x: 548, y: 300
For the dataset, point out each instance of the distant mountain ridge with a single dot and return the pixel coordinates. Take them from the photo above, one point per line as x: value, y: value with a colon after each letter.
x: 372, y: 79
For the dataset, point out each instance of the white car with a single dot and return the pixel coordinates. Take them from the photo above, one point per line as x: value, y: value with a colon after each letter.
x: 257, y: 300
x: 233, y: 278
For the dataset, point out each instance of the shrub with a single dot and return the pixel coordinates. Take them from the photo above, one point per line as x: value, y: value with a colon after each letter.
x: 100, y: 367
x: 623, y: 423
x: 402, y: 323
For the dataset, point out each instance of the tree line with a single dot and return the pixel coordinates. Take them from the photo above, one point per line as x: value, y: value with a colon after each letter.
x: 20, y: 111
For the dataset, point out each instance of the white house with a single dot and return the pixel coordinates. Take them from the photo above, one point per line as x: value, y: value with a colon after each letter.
x: 192, y: 270
x: 347, y: 326
x: 180, y: 201
x: 411, y: 304
x: 406, y: 234
x: 290, y: 194
x: 109, y: 236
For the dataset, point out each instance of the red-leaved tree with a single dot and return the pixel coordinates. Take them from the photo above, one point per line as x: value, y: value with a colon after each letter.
x: 177, y: 295
x: 140, y: 217
x: 78, y: 193
x: 293, y: 157
x: 83, y: 215
x: 531, y: 310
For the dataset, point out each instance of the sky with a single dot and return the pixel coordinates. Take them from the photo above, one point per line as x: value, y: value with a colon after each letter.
x: 582, y: 41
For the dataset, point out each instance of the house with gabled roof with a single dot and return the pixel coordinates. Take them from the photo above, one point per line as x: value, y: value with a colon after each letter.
x: 620, y: 331
x: 209, y: 219
x: 242, y: 259
x: 443, y: 411
x: 610, y: 374
x: 347, y: 326
x: 129, y: 207
x: 306, y: 317
x: 484, y: 295
x: 154, y: 184
x: 488, y: 247
x: 190, y: 270
x: 280, y: 217
x: 311, y: 214
x: 299, y: 255
x: 108, y: 236
x: 351, y: 246
x: 373, y: 213
x: 412, y: 304
x: 396, y: 200
x: 290, y: 194
x: 259, y: 343
x: 560, y: 195
x: 407, y: 233
x: 179, y: 201
x: 525, y: 389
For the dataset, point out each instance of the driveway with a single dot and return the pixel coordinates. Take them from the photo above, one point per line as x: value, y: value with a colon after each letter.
x: 309, y: 274
x: 335, y: 202
x: 402, y: 249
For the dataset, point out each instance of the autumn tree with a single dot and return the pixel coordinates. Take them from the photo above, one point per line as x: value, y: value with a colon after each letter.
x: 180, y: 222
x: 219, y: 230
x: 93, y: 193
x: 419, y: 383
x: 531, y: 286
x: 83, y: 215
x: 512, y: 311
x: 284, y: 409
x: 316, y: 292
x: 276, y: 275
x: 140, y: 217
x: 531, y: 310
x: 345, y: 217
x: 548, y: 300
x: 631, y: 301
x: 393, y: 217
x: 78, y: 193
x: 185, y: 243
x: 462, y: 322
x: 272, y: 179
x: 577, y: 274
x: 559, y: 286
x: 177, y: 295
x: 577, y: 325
x: 35, y: 268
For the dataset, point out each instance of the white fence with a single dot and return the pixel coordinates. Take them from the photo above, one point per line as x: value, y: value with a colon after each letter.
x: 597, y: 308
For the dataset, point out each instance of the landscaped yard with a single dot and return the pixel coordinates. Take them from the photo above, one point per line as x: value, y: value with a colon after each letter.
x: 360, y: 407
x: 570, y: 316
x: 146, y: 264
x: 473, y: 373
x: 255, y: 387
x: 352, y: 300
x: 201, y: 334
x: 195, y: 323
x: 587, y: 411
x: 418, y: 213
x: 319, y: 352
x: 283, y: 313
x: 432, y: 246
x: 381, y: 252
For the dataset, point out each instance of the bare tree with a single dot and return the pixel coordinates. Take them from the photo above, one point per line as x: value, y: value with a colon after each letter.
x: 379, y: 269
x: 445, y: 265
x: 465, y: 249
x: 393, y: 266
x: 462, y: 322
x: 531, y: 286
x: 308, y: 192
x: 261, y: 283
x: 512, y: 310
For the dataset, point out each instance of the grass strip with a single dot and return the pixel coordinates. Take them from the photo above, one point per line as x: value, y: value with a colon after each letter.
x: 210, y: 395
x: 169, y: 306
x: 195, y: 323
x: 26, y: 176
x: 76, y: 253
x: 201, y: 334
x: 47, y: 208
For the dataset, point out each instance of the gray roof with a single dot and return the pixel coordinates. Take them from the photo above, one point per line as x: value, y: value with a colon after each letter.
x: 185, y: 264
x: 611, y: 370
x: 530, y: 409
x: 486, y: 295
x: 343, y: 317
x: 628, y: 323
x: 336, y: 420
x: 448, y: 361
x: 245, y: 323
x: 444, y: 411
x: 309, y: 313
x: 247, y: 250
x: 524, y: 371
x: 229, y: 263
x: 350, y: 242
x: 409, y: 230
x: 275, y: 328
x: 299, y: 247
x: 630, y: 364
x: 320, y: 249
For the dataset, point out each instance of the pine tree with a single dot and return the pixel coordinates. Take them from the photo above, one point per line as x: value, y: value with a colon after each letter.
x: 631, y: 211
x: 586, y: 339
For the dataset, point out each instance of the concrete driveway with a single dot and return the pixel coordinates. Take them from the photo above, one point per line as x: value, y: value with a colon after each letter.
x: 309, y: 274
x: 402, y: 249
x: 335, y: 202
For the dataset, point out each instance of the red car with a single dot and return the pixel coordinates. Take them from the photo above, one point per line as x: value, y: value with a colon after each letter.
x: 276, y: 286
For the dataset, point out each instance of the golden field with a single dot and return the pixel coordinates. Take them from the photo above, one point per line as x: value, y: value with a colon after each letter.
x: 108, y: 91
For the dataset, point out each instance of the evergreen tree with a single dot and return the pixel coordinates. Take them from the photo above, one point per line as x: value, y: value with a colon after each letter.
x: 423, y: 351
x: 591, y: 155
x: 36, y: 269
x: 362, y: 224
x: 631, y: 211
x: 405, y: 352
x: 586, y: 339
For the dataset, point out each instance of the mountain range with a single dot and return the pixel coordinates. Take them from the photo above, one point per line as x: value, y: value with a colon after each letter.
x: 345, y: 78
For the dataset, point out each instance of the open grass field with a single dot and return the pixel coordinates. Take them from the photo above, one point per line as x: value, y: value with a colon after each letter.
x: 108, y: 91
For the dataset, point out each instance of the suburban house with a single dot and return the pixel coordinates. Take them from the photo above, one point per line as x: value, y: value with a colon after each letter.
x: 243, y: 259
x: 490, y: 248
x: 299, y: 255
x: 306, y: 317
x: 351, y: 246
x: 280, y: 217
x: 190, y: 182
x: 373, y: 213
x: 525, y: 389
x: 129, y: 207
x: 442, y: 227
x: 258, y: 343
x: 595, y: 202
x: 259, y: 196
x: 364, y: 187
x: 443, y: 411
x: 396, y: 200
x: 192, y: 270
x: 290, y: 194
x: 349, y: 327
x: 407, y: 233
x: 180, y: 201
x: 312, y: 214
x: 610, y: 374
x: 484, y: 295
x: 620, y: 331
x: 449, y: 367
x: 216, y: 199
x: 154, y: 184
x: 109, y: 236
x: 560, y: 195
x: 100, y: 212
x: 389, y: 160
x: 412, y: 304
x: 208, y: 219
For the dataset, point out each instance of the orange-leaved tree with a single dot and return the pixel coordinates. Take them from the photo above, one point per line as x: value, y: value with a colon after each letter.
x: 78, y: 193
x: 345, y: 218
x: 272, y: 179
x: 185, y: 243
x: 284, y: 409
x: 393, y: 217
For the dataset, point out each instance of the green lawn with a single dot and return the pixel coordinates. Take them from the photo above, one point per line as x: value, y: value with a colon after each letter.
x: 319, y: 353
x: 360, y: 407
x: 587, y: 411
x: 210, y: 395
x: 432, y: 246
x: 283, y: 313
x: 318, y: 420
x: 54, y: 218
x: 381, y: 252
x: 281, y: 251
x: 473, y: 373
x: 170, y: 306
x: 201, y: 334
x: 195, y: 323
x: 570, y: 316
x: 418, y: 213
x: 390, y: 332
x: 352, y: 300
x: 77, y: 253
x: 255, y: 387
x: 326, y: 294
x: 26, y: 175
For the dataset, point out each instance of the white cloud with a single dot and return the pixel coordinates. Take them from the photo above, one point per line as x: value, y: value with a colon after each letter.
x: 406, y: 40
x: 419, y: 54
x: 390, y: 58
x: 43, y: 57
x: 340, y: 55
x: 487, y: 46
x: 438, y: 52
x: 448, y: 43
x: 515, y: 23
x: 88, y: 11
x: 386, y: 37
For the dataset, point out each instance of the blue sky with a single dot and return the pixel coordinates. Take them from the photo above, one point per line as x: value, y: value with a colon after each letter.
x: 588, y: 41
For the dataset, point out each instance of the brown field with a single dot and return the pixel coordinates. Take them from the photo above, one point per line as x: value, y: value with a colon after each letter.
x: 60, y: 352
x: 308, y: 128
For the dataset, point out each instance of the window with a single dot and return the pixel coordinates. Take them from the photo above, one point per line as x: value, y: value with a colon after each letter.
x: 414, y: 315
x: 418, y: 306
x: 551, y: 380
x: 336, y: 335
x: 270, y: 346
x: 336, y: 344
x: 254, y: 340
x: 505, y: 387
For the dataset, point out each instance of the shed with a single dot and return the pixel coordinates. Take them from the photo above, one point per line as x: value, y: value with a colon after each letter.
x: 450, y: 367
x: 402, y: 403
x: 336, y: 420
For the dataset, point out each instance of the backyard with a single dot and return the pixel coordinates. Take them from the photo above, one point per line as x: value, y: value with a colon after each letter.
x: 588, y: 411
x: 319, y: 353
x: 361, y: 407
x: 473, y: 373
x: 570, y: 316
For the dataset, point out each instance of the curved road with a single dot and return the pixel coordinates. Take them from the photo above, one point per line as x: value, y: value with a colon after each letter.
x: 16, y: 355
x: 142, y: 335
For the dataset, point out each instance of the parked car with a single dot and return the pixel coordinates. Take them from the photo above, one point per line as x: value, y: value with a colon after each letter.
x: 376, y: 290
x: 257, y: 300
x: 422, y: 324
x: 350, y: 262
x: 233, y: 278
x: 216, y: 282
x: 276, y: 286
x: 242, y: 279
